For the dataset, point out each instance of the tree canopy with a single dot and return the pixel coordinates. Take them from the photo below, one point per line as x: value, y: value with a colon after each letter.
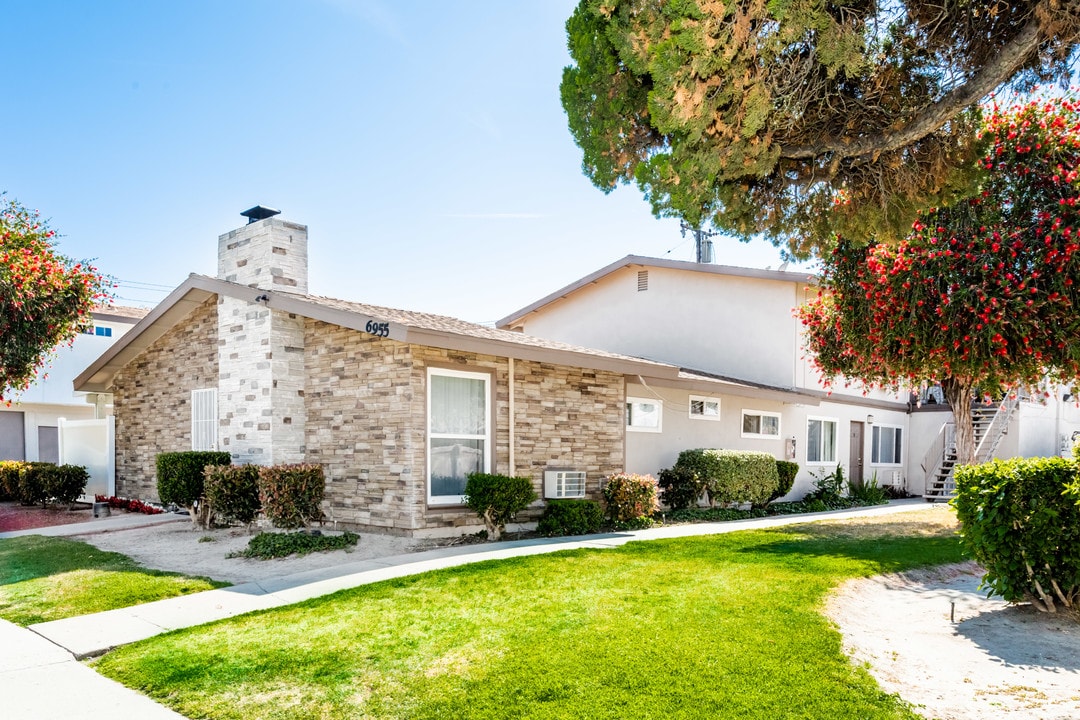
x: 799, y: 119
x: 985, y: 294
x: 44, y: 296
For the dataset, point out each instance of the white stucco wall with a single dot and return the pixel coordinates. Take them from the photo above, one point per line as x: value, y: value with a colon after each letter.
x: 650, y: 452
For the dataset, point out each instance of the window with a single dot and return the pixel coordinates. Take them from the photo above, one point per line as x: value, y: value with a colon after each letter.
x: 95, y: 330
x: 821, y: 440
x: 204, y: 419
x: 459, y: 431
x: 885, y: 445
x: 704, y: 408
x: 759, y: 424
x: 643, y: 415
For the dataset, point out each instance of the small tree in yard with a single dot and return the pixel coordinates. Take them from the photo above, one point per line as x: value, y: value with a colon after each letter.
x: 497, y: 499
x: 44, y: 296
x: 981, y: 295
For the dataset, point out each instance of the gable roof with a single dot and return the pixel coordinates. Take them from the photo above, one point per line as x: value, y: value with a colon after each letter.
x: 118, y: 313
x: 403, y: 325
x: 642, y: 261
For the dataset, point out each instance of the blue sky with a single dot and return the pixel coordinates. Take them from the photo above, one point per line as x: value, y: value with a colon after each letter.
x: 423, y: 143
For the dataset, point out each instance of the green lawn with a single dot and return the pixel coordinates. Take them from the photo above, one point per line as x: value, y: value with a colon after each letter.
x: 44, y: 578
x: 714, y: 627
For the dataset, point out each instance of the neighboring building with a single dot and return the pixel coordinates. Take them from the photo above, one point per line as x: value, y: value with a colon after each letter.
x: 737, y: 324
x: 29, y: 426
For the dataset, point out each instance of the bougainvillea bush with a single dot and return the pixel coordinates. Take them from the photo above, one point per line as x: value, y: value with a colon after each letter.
x: 44, y: 296
x: 981, y: 295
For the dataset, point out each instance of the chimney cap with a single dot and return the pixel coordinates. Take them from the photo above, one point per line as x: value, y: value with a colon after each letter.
x: 259, y: 212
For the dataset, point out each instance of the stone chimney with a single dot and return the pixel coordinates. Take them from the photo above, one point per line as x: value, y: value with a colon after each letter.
x: 267, y: 253
x: 261, y: 408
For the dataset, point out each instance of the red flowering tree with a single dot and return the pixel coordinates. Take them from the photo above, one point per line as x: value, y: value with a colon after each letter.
x: 985, y: 294
x: 44, y: 296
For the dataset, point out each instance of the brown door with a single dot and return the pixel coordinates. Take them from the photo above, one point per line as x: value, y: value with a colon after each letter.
x: 855, y: 473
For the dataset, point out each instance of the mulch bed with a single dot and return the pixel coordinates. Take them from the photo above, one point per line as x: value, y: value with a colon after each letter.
x: 14, y: 516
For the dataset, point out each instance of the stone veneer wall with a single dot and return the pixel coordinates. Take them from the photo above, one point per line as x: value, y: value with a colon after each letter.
x: 367, y: 425
x: 152, y: 398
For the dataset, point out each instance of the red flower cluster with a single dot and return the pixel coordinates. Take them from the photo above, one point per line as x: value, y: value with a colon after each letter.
x: 130, y: 505
x: 984, y: 290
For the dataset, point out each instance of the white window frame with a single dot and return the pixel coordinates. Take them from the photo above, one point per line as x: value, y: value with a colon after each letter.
x: 836, y: 440
x: 631, y: 401
x: 898, y: 432
x: 486, y: 436
x: 705, y: 400
x: 204, y: 418
x: 763, y: 414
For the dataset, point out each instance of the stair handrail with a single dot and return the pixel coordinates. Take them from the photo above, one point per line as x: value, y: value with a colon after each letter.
x: 997, y: 427
x: 935, y: 455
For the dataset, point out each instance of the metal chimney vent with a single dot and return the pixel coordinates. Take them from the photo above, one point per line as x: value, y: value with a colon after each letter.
x: 259, y: 213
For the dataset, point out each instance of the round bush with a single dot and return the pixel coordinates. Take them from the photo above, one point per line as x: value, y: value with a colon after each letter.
x: 681, y: 487
x: 570, y: 517
x: 497, y: 499
x: 631, y: 499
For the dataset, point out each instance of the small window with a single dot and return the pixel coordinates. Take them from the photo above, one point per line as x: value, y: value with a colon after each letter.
x: 644, y: 415
x: 642, y: 280
x: 704, y: 408
x: 760, y: 424
x: 821, y: 440
x: 885, y: 445
x: 103, y: 331
x: 204, y: 419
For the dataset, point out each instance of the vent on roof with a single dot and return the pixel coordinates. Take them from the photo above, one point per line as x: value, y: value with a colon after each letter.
x: 259, y: 213
x: 642, y: 280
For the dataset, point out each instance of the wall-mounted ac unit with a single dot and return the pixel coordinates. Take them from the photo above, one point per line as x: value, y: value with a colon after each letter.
x: 560, y: 484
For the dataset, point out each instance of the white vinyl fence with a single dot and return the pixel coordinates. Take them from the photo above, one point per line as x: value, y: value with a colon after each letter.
x: 91, y: 443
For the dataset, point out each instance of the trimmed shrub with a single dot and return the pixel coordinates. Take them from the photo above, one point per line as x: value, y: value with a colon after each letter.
x: 32, y: 484
x: 1021, y: 521
x: 9, y: 478
x: 733, y: 477
x: 291, y: 495
x: 180, y: 479
x: 786, y: 472
x: 232, y: 492
x: 64, y: 484
x: 570, y: 517
x: 681, y: 487
x: 631, y: 500
x: 497, y: 499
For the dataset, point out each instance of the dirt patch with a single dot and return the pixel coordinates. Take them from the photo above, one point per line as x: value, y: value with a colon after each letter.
x: 934, y: 639
x: 177, y: 547
x: 14, y: 516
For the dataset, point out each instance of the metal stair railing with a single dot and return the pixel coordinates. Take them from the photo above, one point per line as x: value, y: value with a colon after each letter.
x: 937, y: 454
x: 996, y: 429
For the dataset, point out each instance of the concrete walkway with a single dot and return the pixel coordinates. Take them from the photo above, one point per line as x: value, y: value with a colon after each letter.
x: 45, y: 655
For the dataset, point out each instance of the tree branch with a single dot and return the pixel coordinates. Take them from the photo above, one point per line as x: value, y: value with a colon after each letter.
x: 994, y: 73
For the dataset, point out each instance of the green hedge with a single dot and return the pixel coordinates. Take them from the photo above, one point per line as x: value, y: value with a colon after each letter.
x: 570, y: 517
x: 232, y: 492
x: 680, y: 487
x: 497, y: 499
x: 291, y: 495
x: 64, y: 484
x: 180, y: 475
x: 1020, y: 519
x: 9, y: 479
x: 733, y: 476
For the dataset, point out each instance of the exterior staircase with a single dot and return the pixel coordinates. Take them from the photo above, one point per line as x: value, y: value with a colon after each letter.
x: 991, y: 422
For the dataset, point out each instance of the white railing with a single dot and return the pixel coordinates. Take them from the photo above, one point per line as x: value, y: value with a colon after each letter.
x: 997, y: 427
x: 934, y: 458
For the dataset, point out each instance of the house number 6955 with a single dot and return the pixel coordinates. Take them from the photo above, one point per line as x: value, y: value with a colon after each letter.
x: 382, y: 329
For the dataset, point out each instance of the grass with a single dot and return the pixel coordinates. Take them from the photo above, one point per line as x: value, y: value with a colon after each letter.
x: 726, y: 626
x: 44, y: 578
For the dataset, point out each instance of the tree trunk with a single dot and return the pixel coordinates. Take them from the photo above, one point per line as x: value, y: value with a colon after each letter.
x: 958, y: 393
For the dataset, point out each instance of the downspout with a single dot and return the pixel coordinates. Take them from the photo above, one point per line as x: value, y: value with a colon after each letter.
x: 513, y: 465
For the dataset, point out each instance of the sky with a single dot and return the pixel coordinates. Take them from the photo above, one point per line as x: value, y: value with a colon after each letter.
x: 422, y: 143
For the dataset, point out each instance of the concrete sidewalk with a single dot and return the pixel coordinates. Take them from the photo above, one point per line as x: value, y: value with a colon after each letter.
x: 44, y: 656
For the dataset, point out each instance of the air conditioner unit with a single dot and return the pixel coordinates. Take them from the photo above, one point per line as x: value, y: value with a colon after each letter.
x: 560, y: 484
